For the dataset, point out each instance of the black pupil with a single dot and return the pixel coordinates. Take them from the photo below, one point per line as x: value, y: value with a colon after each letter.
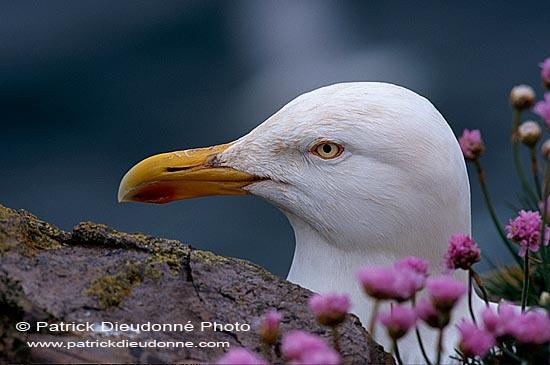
x: 327, y: 148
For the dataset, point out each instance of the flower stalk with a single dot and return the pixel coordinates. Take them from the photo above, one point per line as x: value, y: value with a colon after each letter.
x: 470, y: 289
x: 480, y: 285
x: 535, y: 172
x: 492, y: 213
x: 544, y: 212
x: 418, y: 337
x: 517, y: 160
x: 421, y: 344
x: 525, y: 289
x: 396, y: 352
x: 373, y: 318
x: 439, y: 346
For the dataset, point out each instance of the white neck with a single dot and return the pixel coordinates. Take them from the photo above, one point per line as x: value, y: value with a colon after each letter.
x: 335, y: 271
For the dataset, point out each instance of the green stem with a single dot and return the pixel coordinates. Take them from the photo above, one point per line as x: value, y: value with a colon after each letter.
x: 373, y: 318
x: 517, y: 160
x: 544, y: 249
x: 535, y: 172
x: 418, y: 337
x: 470, y: 287
x: 439, y: 346
x: 396, y: 352
x: 480, y: 285
x: 525, y: 290
x: 492, y: 213
x: 421, y: 344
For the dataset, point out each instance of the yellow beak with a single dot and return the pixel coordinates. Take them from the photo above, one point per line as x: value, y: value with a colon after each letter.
x: 182, y: 175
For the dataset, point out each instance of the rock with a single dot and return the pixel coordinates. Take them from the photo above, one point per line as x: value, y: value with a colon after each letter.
x: 53, y: 279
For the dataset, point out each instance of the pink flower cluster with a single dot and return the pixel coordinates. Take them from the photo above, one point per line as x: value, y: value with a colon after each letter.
x: 525, y: 230
x: 530, y: 328
x: 330, y: 309
x: 398, y: 320
x: 462, y: 252
x: 302, y: 348
x: 474, y: 341
x: 471, y: 144
x: 542, y: 108
x: 299, y: 348
x: 399, y: 282
x: 382, y: 282
x: 426, y: 311
x: 444, y: 293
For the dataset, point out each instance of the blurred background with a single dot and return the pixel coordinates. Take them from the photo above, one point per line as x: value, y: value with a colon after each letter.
x: 87, y: 89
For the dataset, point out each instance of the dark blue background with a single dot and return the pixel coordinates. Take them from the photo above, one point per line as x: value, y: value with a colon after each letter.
x: 87, y: 89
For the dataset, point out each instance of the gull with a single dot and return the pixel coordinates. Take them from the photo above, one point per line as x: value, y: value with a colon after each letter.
x: 367, y: 173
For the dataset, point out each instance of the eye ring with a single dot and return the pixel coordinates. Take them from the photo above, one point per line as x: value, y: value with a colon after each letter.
x: 327, y: 150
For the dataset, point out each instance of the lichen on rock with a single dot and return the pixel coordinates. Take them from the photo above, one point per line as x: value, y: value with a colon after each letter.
x: 95, y: 274
x: 110, y: 290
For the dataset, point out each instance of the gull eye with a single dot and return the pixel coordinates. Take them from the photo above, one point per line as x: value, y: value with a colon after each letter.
x: 327, y: 150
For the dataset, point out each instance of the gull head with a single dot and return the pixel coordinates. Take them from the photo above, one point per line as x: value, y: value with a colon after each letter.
x: 369, y: 167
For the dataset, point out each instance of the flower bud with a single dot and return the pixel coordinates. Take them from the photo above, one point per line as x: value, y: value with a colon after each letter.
x: 522, y: 97
x: 398, y: 320
x: 426, y: 311
x: 471, y: 144
x: 329, y: 309
x: 445, y: 292
x: 240, y: 356
x: 269, y: 328
x: 544, y: 300
x: 529, y: 133
x: 387, y: 283
x: 545, y: 149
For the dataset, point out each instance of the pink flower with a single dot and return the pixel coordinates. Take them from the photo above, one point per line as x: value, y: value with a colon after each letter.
x: 240, y: 356
x: 542, y: 108
x: 474, y: 340
x: 462, y: 252
x: 545, y: 72
x: 528, y: 328
x: 302, y: 348
x: 417, y: 268
x: 387, y: 283
x: 426, y: 311
x: 500, y: 324
x: 525, y: 230
x: 471, y: 144
x: 330, y: 309
x: 269, y: 327
x: 531, y: 328
x: 445, y: 292
x: 398, y: 320
x: 414, y: 264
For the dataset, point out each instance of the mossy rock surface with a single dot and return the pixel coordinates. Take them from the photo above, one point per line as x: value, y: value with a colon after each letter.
x: 96, y: 274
